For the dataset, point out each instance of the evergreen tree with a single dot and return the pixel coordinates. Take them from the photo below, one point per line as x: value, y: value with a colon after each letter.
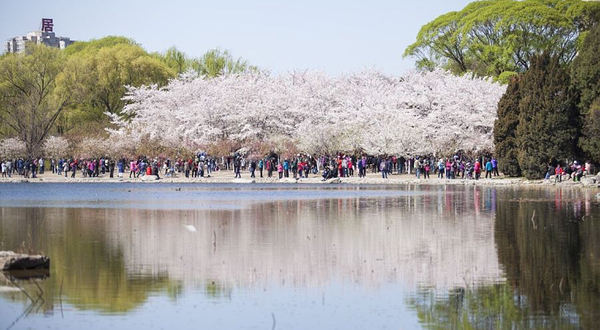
x: 585, y: 75
x: 548, y: 118
x: 505, y: 129
x: 590, y: 141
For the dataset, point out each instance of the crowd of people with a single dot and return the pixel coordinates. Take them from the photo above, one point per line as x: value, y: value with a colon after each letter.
x: 298, y: 166
x: 573, y: 170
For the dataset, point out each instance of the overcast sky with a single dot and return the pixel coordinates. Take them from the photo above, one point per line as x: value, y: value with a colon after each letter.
x: 333, y: 36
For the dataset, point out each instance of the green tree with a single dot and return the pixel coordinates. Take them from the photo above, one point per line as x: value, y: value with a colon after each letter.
x: 35, y: 88
x: 119, y: 66
x: 548, y: 118
x: 174, y: 59
x: 505, y: 128
x: 585, y: 73
x: 217, y: 62
x: 590, y: 139
x: 113, y: 63
x: 94, y: 45
x: 492, y: 37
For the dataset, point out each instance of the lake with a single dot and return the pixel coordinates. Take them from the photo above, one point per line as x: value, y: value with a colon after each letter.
x: 271, y: 256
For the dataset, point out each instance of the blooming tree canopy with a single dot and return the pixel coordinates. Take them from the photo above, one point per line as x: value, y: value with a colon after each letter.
x: 56, y: 146
x: 367, y: 111
x: 12, y: 148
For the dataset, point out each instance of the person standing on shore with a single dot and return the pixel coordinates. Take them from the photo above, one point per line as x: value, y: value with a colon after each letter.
x: 132, y: 169
x: 237, y: 167
x: 350, y: 166
x: 495, y: 166
x: 477, y: 169
x: 73, y: 166
x: 300, y: 169
x: 91, y: 169
x: 280, y: 170
x: 260, y: 167
x: 186, y: 168
x: 270, y: 168
x: 111, y: 167
x: 488, y: 169
x: 121, y: 168
x: 96, y: 167
x: 295, y: 166
x: 360, y: 168
x: 286, y: 168
x: 383, y: 170
x: 9, y: 168
x: 33, y: 166
x: 252, y: 168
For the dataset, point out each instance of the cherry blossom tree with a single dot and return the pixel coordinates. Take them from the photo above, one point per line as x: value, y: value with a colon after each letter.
x: 56, y: 146
x: 368, y: 111
x: 12, y: 148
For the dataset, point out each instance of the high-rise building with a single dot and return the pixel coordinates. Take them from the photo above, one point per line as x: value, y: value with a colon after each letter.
x: 45, y: 35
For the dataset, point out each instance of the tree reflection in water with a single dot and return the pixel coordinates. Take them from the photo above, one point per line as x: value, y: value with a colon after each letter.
x: 548, y: 248
x: 86, y: 272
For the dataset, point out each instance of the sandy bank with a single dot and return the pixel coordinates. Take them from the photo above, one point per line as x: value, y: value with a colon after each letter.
x: 371, y: 179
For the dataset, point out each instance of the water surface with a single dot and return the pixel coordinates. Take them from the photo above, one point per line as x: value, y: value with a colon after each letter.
x: 302, y: 257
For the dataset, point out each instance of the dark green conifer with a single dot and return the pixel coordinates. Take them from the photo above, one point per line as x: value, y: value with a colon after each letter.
x: 548, y: 118
x: 505, y: 128
x: 585, y: 75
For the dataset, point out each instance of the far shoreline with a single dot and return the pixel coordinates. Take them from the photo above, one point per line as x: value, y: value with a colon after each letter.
x: 590, y: 182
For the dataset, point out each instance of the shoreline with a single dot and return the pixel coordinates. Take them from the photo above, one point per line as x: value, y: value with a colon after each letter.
x: 591, y: 182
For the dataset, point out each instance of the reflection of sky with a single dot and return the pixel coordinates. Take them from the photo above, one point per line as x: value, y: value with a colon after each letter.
x: 333, y: 307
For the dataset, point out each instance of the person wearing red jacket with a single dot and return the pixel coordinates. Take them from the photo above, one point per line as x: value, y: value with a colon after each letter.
x: 477, y: 169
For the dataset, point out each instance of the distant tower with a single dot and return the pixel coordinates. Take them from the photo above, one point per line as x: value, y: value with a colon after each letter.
x: 45, y: 35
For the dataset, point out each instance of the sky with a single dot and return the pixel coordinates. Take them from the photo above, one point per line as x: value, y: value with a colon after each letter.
x: 340, y: 36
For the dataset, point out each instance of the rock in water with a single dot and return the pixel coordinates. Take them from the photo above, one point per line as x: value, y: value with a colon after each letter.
x: 13, y: 261
x: 590, y: 181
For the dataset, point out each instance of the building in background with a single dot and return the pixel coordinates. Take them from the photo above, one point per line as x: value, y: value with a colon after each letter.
x: 45, y: 35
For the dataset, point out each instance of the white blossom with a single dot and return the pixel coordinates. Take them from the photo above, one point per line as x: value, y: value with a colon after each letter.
x: 56, y: 146
x: 367, y: 111
x: 12, y: 148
